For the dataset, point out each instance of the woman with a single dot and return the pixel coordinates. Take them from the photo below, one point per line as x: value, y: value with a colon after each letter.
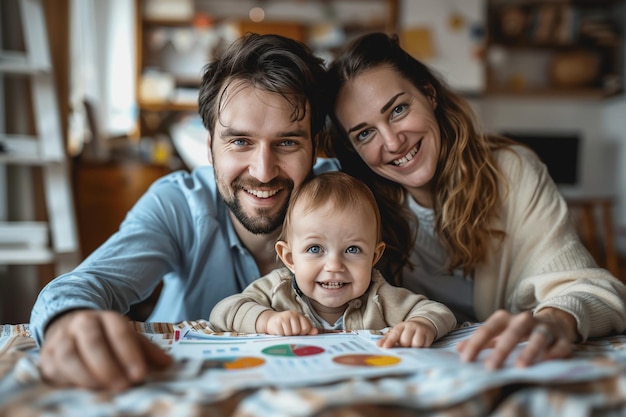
x: 494, y: 241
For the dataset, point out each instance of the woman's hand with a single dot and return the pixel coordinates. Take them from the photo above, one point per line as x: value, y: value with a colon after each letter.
x: 550, y: 334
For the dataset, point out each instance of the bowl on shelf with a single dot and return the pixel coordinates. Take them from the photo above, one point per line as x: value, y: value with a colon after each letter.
x: 574, y: 69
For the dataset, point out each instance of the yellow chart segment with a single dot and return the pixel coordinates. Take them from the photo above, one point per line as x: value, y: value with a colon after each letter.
x: 382, y: 360
x: 367, y: 360
x: 243, y: 363
x: 233, y: 363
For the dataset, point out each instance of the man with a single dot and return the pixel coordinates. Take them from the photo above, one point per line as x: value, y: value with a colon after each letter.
x: 205, y: 234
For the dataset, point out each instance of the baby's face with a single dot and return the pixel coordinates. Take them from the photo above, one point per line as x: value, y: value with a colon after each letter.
x: 333, y: 253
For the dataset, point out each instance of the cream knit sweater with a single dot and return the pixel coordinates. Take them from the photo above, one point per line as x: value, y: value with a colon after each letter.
x: 541, y: 262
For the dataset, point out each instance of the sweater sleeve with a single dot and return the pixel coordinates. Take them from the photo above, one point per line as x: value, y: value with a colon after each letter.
x: 239, y: 312
x: 542, y: 262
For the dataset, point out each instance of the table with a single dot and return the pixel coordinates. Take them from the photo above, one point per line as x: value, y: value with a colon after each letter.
x: 595, y: 386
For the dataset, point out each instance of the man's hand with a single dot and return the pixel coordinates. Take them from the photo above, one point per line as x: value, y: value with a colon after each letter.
x: 284, y: 323
x: 97, y: 350
x: 550, y: 334
x: 412, y: 333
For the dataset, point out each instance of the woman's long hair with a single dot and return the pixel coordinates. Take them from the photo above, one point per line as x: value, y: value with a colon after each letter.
x: 465, y: 184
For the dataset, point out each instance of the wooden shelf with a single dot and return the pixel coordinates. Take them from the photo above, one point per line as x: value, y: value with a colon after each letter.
x: 534, y: 3
x: 551, y: 46
x: 167, y: 22
x: 560, y: 93
x: 104, y: 192
x: 168, y: 106
x: 572, y: 47
x: 160, y: 54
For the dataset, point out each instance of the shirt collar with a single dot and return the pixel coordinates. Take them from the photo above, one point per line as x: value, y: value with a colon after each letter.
x: 233, y: 238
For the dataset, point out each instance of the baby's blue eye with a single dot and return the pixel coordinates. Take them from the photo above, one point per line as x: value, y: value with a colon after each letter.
x: 314, y: 249
x: 353, y: 250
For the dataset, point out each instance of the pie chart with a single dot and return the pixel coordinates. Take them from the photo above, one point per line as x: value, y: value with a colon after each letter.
x: 232, y: 363
x: 367, y: 360
x: 292, y: 350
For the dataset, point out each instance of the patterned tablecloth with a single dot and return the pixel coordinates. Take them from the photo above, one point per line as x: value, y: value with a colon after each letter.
x: 592, y: 383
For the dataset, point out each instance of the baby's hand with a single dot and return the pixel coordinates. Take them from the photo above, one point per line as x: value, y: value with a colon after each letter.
x: 284, y: 323
x: 413, y: 333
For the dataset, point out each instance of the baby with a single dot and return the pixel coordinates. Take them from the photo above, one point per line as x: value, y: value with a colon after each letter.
x: 330, y: 242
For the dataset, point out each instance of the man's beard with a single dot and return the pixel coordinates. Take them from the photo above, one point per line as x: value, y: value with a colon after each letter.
x: 261, y: 223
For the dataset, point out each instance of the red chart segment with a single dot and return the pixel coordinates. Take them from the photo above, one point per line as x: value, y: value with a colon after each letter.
x: 293, y: 350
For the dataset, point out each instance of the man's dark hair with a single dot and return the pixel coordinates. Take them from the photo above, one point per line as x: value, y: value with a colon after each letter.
x: 272, y: 63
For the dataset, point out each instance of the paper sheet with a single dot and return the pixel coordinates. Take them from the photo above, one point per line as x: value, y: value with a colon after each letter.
x: 231, y: 361
x: 238, y: 359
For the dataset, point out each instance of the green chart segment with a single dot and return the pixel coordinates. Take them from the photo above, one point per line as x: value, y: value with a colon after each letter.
x: 292, y: 350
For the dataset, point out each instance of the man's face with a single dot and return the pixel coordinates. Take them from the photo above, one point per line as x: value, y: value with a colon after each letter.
x: 259, y: 155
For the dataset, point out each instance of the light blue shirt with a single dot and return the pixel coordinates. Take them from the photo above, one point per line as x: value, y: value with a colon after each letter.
x: 179, y: 232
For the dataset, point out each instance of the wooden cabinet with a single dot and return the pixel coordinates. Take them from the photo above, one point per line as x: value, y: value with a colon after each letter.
x: 104, y: 192
x: 173, y: 46
x: 555, y: 47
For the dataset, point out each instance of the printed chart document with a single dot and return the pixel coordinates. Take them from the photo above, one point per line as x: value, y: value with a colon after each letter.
x: 223, y: 362
x: 236, y: 359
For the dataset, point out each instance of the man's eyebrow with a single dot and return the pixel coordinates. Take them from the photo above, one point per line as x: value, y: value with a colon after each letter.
x: 232, y: 132
x: 229, y: 132
x: 383, y: 109
x: 293, y: 133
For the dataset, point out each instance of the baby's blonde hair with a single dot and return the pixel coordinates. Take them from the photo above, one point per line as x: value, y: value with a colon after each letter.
x: 342, y: 190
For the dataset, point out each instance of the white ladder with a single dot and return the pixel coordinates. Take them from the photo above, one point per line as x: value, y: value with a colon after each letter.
x: 36, y: 242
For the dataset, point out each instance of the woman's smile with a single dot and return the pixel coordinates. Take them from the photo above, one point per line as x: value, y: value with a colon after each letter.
x: 409, y: 155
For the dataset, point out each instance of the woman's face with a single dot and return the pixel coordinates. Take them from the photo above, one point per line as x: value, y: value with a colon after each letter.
x: 392, y: 126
